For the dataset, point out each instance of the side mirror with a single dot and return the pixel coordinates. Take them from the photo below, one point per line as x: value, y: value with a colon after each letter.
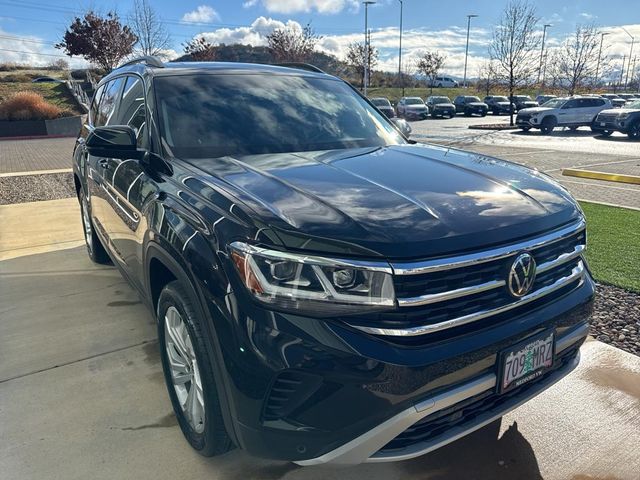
x: 402, y: 125
x: 114, y: 141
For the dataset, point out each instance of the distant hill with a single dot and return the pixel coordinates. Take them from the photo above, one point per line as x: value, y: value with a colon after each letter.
x: 247, y: 53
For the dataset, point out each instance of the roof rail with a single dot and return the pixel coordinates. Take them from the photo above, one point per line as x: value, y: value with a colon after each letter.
x: 147, y: 59
x: 301, y: 66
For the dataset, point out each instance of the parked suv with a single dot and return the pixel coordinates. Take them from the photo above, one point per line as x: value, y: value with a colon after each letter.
x: 616, y: 101
x: 441, y: 107
x: 384, y: 105
x: 523, y: 101
x: 570, y: 112
x: 440, y: 82
x: 625, y: 120
x: 412, y: 108
x: 325, y: 290
x: 499, y: 104
x: 470, y: 106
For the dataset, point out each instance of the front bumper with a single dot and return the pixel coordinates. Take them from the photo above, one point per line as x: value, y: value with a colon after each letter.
x: 416, y: 115
x: 369, y: 446
x: 311, y: 391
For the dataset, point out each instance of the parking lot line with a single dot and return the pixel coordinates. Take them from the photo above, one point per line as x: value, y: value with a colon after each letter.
x: 608, y: 177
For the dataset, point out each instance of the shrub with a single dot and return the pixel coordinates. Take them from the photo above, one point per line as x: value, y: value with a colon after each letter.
x: 28, y: 106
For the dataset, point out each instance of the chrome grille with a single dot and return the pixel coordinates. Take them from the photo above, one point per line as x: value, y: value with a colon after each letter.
x: 440, y: 294
x: 607, y: 117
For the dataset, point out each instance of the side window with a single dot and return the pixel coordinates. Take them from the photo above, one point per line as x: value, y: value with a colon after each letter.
x: 573, y: 103
x: 93, y: 111
x: 109, y: 103
x: 132, y: 107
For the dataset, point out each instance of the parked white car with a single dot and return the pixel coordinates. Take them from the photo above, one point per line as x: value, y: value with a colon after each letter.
x: 447, y: 82
x: 571, y: 112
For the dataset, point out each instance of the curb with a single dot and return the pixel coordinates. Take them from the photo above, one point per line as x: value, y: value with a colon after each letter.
x: 608, y: 177
x: 36, y: 172
x: 37, y: 137
x: 492, y: 127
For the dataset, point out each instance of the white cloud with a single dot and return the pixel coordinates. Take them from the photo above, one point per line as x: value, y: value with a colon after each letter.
x: 33, y: 51
x: 588, y: 16
x: 202, y: 14
x: 254, y: 35
x: 305, y: 6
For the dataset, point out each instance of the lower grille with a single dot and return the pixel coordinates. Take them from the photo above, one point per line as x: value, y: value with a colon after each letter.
x: 463, y: 412
x: 289, y: 390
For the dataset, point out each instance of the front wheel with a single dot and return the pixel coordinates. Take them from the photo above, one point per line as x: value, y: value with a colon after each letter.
x: 606, y: 133
x: 634, y: 131
x: 188, y: 372
x: 573, y: 129
x: 95, y: 249
x: 525, y: 129
x: 548, y: 124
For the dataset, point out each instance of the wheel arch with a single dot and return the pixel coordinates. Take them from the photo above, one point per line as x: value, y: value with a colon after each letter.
x: 163, y: 261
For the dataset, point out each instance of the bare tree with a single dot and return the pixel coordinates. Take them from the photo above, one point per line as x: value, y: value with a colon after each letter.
x: 152, y: 35
x: 357, y: 58
x: 200, y: 50
x: 577, y: 58
x: 289, y: 44
x: 487, y: 77
x: 430, y: 64
x: 514, y: 45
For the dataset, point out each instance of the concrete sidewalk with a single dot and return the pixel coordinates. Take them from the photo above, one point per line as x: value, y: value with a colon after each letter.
x: 38, y: 227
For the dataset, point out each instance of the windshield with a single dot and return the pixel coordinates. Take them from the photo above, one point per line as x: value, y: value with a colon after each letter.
x: 436, y: 100
x: 501, y: 99
x: 413, y: 101
x: 633, y: 104
x: 554, y: 103
x: 472, y: 99
x: 209, y: 116
x: 380, y: 102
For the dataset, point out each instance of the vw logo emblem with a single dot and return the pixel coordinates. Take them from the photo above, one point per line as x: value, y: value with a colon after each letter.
x: 522, y: 274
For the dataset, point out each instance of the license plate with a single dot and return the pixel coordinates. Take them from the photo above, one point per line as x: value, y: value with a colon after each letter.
x: 526, y: 361
x: 603, y: 124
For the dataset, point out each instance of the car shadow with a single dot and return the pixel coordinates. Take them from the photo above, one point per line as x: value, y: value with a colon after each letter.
x: 557, y: 133
x: 483, y: 454
x: 613, y: 138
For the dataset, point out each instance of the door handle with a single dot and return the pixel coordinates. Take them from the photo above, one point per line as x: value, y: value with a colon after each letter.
x: 103, y: 163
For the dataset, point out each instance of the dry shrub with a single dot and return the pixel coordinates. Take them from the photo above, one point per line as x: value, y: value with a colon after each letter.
x: 28, y: 106
x: 16, y: 77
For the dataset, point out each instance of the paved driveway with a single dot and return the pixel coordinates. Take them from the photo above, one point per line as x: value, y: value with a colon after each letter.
x: 36, y: 154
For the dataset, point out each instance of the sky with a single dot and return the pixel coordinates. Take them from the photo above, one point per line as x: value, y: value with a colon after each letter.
x: 30, y: 28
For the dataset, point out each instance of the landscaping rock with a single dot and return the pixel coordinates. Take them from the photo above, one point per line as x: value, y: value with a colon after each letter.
x: 616, y: 318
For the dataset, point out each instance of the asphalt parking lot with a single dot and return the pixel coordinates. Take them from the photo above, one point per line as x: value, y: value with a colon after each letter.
x: 82, y: 393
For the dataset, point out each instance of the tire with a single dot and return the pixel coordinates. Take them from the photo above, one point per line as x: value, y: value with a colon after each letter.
x: 548, y: 124
x: 201, y: 423
x: 525, y: 129
x: 573, y: 129
x: 606, y: 133
x: 496, y: 112
x: 634, y: 131
x: 467, y: 113
x: 96, y: 251
x: 483, y: 114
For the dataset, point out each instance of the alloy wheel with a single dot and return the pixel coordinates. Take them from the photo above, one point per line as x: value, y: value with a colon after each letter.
x: 185, y: 374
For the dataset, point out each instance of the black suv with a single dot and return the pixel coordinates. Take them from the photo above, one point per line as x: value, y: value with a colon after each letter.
x: 470, y: 106
x: 325, y: 290
x: 498, y: 104
x: 624, y: 120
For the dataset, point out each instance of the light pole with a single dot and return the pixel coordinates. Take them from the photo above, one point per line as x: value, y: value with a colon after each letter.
x: 400, y: 52
x: 624, y: 59
x: 630, y: 57
x: 544, y: 35
x: 366, y: 4
x: 466, y: 51
x: 602, y: 34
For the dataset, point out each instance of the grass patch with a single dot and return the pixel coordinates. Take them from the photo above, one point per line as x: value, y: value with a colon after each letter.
x: 613, y: 250
x: 54, y: 93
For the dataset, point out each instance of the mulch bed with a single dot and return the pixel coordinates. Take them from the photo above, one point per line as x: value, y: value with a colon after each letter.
x: 35, y: 188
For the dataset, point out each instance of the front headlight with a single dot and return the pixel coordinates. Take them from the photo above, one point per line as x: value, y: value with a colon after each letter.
x: 319, y: 285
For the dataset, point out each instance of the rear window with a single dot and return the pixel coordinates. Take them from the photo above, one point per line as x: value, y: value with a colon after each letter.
x: 210, y: 116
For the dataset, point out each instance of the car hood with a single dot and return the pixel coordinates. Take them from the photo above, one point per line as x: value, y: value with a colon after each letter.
x: 415, y: 107
x: 535, y: 110
x: 619, y: 111
x: 530, y: 103
x: 444, y: 105
x: 397, y: 202
x: 503, y: 104
x: 475, y: 104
